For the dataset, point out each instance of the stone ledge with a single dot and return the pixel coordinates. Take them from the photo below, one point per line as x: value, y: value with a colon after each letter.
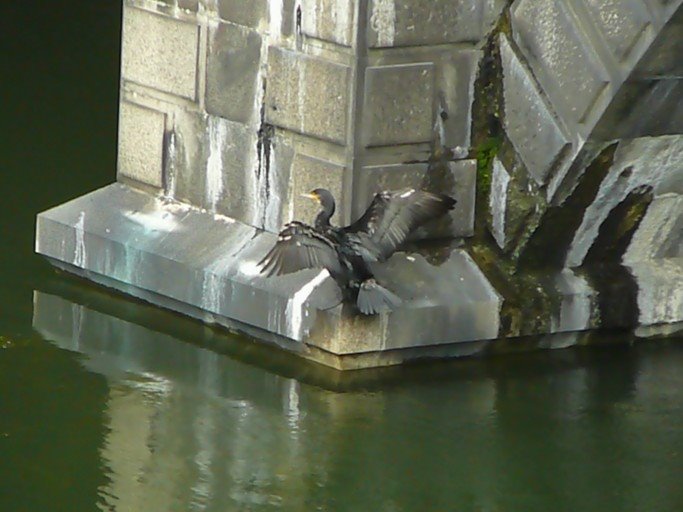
x: 203, y: 265
x: 154, y: 249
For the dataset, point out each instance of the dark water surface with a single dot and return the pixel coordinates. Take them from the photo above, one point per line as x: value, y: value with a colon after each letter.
x: 112, y: 405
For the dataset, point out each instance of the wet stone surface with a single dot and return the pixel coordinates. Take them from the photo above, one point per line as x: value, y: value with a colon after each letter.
x: 202, y: 262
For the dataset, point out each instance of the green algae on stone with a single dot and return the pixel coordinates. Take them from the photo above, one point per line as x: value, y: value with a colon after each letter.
x: 485, y: 153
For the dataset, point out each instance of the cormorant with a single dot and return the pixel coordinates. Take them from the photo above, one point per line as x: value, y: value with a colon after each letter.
x: 347, y: 252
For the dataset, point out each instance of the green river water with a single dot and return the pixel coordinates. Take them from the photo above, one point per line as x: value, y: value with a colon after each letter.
x: 108, y: 404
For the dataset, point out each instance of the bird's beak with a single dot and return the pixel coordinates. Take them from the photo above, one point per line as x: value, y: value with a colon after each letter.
x: 311, y: 196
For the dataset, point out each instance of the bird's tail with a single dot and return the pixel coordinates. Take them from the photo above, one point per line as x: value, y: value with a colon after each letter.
x: 373, y: 298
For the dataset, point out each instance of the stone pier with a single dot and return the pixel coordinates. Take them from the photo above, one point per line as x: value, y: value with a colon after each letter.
x: 556, y: 124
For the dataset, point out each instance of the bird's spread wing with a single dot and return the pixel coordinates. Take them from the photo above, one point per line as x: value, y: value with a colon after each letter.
x: 299, y: 247
x: 393, y: 215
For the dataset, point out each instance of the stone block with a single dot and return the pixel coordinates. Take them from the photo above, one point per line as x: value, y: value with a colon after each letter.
x: 399, y: 104
x: 457, y: 180
x: 219, y: 165
x: 233, y: 61
x: 660, y: 291
x: 529, y: 123
x: 429, y: 22
x: 500, y: 181
x: 289, y: 15
x: 560, y: 56
x: 643, y: 108
x: 185, y: 5
x: 663, y: 57
x: 307, y: 95
x: 331, y: 20
x: 248, y: 14
x: 309, y: 173
x: 660, y: 233
x: 621, y: 22
x: 141, y: 142
x: 212, y: 162
x: 450, y: 292
x: 159, y: 52
x: 577, y: 302
x: 455, y: 76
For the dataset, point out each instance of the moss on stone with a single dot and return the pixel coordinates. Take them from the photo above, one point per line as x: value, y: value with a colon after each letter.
x: 485, y: 153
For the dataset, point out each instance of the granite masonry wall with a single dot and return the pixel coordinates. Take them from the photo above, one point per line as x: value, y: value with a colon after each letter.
x: 557, y: 124
x: 237, y: 107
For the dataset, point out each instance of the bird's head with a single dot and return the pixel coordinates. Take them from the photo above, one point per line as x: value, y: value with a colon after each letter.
x: 326, y: 201
x: 321, y: 196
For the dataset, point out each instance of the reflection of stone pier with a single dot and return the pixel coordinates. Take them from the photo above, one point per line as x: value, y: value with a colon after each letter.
x: 187, y: 428
x: 571, y: 147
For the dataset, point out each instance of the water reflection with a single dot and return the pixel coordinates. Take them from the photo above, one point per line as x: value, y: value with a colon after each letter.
x: 193, y: 429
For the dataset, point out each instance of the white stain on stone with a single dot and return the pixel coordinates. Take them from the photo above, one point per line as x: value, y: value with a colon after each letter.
x: 342, y: 19
x: 275, y: 20
x: 295, y: 306
x: 218, y: 273
x: 576, y: 306
x: 249, y: 268
x: 156, y: 220
x: 498, y: 201
x: 130, y: 265
x: 171, y: 166
x: 660, y: 291
x: 301, y: 97
x: 383, y: 21
x: 79, y: 250
x: 218, y: 139
x: 309, y: 16
x: 327, y: 23
x: 211, y: 292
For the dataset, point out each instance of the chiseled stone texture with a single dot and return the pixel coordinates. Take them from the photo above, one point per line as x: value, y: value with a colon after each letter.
x: 660, y: 233
x: 455, y: 77
x: 621, y: 23
x: 459, y: 181
x: 429, y: 22
x: 331, y: 20
x: 500, y: 181
x: 529, y: 122
x: 660, y: 290
x: 399, y: 104
x: 232, y: 70
x: 159, y: 52
x: 309, y: 173
x: 248, y: 14
x: 559, y: 54
x: 141, y: 143
x: 308, y: 95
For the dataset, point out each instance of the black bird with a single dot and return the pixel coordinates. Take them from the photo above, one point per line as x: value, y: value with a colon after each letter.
x: 347, y: 252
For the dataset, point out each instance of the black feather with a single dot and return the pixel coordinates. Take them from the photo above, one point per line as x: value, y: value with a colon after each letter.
x: 347, y: 252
